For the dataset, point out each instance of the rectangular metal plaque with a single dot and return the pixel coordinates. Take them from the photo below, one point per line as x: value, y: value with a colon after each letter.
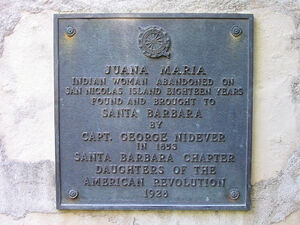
x: 153, y: 111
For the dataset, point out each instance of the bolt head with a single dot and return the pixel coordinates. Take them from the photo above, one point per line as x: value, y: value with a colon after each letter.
x: 234, y: 193
x: 236, y: 31
x: 70, y: 31
x: 73, y: 194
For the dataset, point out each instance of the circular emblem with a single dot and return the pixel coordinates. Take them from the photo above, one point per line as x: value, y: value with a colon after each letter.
x: 154, y: 42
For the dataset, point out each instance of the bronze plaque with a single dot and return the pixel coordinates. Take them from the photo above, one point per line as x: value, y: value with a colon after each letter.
x: 153, y: 111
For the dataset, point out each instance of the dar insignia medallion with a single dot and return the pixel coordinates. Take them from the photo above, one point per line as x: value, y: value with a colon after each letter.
x: 154, y: 42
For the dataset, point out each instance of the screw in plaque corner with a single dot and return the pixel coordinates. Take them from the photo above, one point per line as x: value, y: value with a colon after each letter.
x: 234, y: 194
x: 73, y: 194
x: 70, y: 31
x: 236, y: 31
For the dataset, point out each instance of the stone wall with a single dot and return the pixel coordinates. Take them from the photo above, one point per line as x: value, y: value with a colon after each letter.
x: 27, y: 182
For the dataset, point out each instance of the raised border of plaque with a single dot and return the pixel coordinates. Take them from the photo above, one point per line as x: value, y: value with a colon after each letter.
x: 164, y: 52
